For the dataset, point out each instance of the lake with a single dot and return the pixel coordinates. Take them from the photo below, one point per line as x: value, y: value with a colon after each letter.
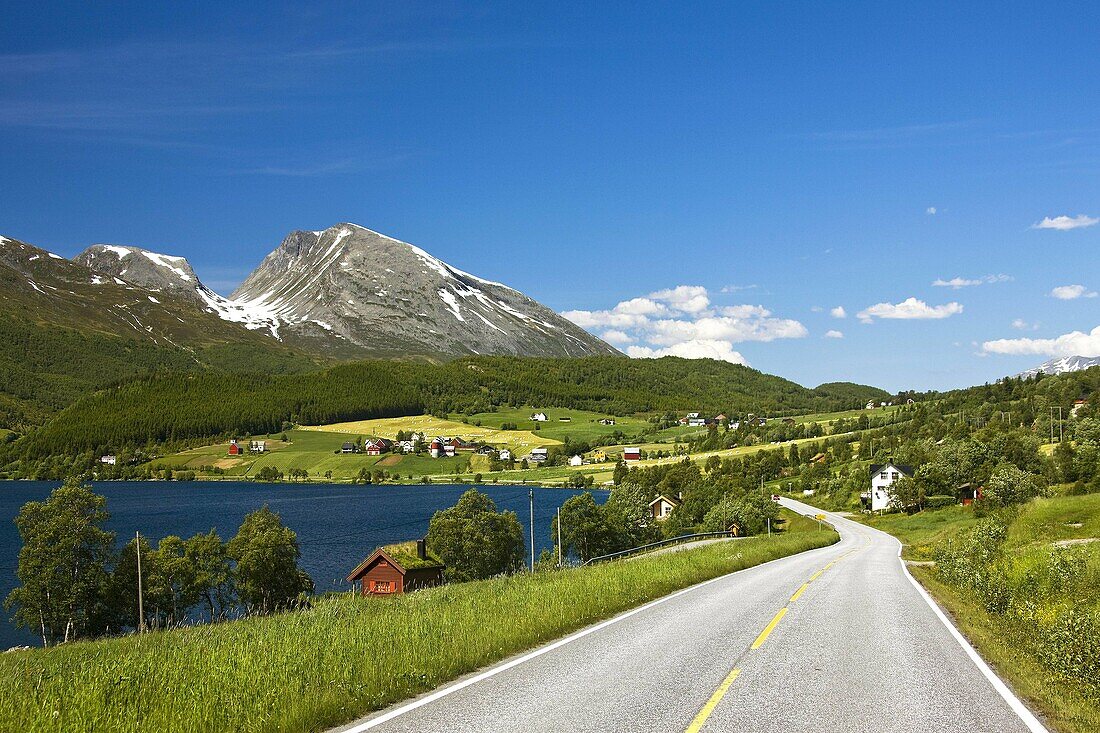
x: 337, y: 524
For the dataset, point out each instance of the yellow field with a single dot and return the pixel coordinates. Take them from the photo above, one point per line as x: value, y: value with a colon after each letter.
x: 517, y: 440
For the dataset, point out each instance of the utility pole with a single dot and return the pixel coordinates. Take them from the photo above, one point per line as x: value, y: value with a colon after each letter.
x: 531, y: 496
x: 559, y: 536
x: 141, y: 603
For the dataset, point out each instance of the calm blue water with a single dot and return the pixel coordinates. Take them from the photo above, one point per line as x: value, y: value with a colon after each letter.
x: 337, y: 524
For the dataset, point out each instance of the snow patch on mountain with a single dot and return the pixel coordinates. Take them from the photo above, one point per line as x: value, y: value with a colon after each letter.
x: 1062, y: 365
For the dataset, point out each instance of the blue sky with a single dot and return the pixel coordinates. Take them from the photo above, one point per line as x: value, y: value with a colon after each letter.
x: 729, y: 172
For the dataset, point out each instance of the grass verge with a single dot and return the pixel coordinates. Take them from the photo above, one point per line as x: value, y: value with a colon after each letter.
x: 346, y: 656
x: 1064, y: 705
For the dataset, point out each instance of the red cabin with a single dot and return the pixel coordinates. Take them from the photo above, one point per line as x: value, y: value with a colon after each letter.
x: 234, y: 448
x: 400, y: 568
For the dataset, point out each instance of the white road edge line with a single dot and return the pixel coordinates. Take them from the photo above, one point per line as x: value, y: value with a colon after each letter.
x: 492, y: 672
x: 999, y: 685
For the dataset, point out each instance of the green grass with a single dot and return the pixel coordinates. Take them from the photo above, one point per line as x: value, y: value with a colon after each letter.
x: 918, y: 532
x: 344, y: 657
x: 1065, y: 706
x: 582, y: 425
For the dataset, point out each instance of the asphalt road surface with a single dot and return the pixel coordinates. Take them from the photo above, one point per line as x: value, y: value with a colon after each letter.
x: 835, y: 639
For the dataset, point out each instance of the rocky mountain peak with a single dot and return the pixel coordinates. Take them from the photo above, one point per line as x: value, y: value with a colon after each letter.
x: 150, y: 270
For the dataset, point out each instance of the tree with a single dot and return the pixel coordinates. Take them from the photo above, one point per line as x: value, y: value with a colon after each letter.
x: 750, y: 512
x: 907, y: 494
x: 584, y: 528
x: 213, y: 573
x: 63, y: 564
x: 474, y: 540
x: 170, y: 584
x: 620, y: 472
x: 1009, y: 485
x: 267, y: 553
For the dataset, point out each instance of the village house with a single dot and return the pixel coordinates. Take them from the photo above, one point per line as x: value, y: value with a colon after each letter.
x: 538, y: 455
x: 234, y: 448
x: 870, y: 405
x: 399, y: 568
x: 539, y: 417
x: 257, y: 446
x: 504, y: 455
x: 576, y: 461
x: 883, y: 477
x: 599, y: 455
x: 968, y: 493
x: 632, y: 454
x: 721, y: 417
x: 696, y: 422
x: 607, y: 421
x: 818, y: 458
x: 108, y: 460
x: 347, y: 447
x: 377, y: 446
x: 663, y: 506
x: 692, y: 415
x: 1077, y: 406
x: 407, y: 446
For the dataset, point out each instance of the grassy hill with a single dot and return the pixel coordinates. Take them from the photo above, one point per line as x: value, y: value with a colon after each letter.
x: 172, y: 408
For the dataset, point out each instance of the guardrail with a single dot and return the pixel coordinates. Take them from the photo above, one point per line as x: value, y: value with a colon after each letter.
x: 655, y: 545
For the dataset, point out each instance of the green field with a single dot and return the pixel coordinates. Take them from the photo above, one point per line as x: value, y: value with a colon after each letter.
x: 309, y: 670
x: 312, y: 451
x: 581, y: 425
x: 517, y: 440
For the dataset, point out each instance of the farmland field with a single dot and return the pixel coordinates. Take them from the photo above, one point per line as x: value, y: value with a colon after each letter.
x: 581, y: 425
x: 517, y: 440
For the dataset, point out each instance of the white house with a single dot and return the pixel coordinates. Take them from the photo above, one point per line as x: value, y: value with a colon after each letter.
x: 505, y: 454
x: 692, y: 415
x: 408, y: 446
x: 696, y: 422
x: 662, y: 507
x: 576, y: 461
x: 883, y: 477
x: 538, y: 455
x: 108, y: 460
x: 257, y: 446
x: 539, y: 417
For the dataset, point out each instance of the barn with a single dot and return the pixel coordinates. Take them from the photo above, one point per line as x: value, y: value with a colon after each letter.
x: 234, y: 448
x: 399, y: 568
x: 632, y: 454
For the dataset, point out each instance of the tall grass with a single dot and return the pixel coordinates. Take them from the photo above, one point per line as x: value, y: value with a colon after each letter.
x: 344, y: 657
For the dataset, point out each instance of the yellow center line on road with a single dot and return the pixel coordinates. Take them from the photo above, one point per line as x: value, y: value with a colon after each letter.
x: 769, y: 628
x: 815, y: 576
x: 799, y: 592
x: 697, y: 723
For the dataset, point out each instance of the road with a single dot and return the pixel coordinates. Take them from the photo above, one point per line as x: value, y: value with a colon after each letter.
x: 835, y: 639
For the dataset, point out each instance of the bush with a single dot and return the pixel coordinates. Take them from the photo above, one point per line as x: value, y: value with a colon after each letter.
x: 938, y: 501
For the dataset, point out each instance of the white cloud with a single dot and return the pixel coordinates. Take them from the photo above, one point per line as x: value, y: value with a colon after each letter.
x: 1072, y: 292
x: 614, y: 336
x: 737, y: 288
x: 1074, y: 343
x: 838, y: 312
x: 686, y: 298
x: 1065, y: 223
x: 816, y: 308
x: 695, y: 349
x: 910, y: 308
x: 956, y: 283
x: 681, y: 321
x: 833, y: 334
x: 1021, y: 325
x: 931, y: 211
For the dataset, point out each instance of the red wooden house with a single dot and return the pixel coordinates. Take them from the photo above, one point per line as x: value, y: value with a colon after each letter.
x: 234, y: 448
x: 400, y: 568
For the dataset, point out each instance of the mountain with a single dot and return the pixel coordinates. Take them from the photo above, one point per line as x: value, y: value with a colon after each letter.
x: 1063, y: 364
x: 66, y: 329
x: 350, y: 287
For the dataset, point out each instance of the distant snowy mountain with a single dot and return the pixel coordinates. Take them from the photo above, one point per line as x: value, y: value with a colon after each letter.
x: 342, y: 292
x: 1062, y: 365
x: 362, y: 289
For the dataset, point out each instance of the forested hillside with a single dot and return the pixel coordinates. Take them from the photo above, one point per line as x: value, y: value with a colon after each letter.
x: 172, y: 407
